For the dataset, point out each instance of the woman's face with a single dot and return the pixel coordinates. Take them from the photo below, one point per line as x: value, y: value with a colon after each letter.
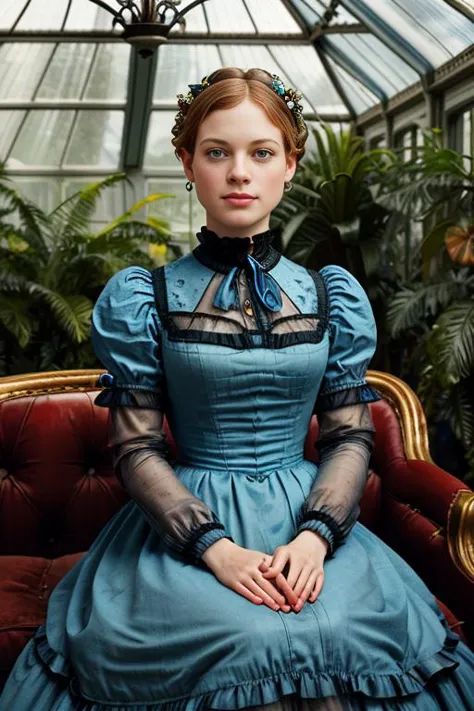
x: 239, y: 151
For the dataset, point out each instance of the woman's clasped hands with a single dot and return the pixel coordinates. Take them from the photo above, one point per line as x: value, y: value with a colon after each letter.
x: 283, y: 581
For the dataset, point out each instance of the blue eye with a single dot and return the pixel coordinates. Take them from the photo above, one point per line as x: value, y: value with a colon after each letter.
x: 263, y: 150
x: 213, y: 151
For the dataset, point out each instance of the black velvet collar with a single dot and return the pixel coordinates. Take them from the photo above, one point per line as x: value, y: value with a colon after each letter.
x: 223, y: 253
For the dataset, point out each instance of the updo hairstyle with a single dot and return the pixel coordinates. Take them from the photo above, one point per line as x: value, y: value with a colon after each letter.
x: 228, y: 88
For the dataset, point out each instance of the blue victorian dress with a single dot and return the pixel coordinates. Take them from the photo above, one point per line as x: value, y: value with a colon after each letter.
x: 238, y: 349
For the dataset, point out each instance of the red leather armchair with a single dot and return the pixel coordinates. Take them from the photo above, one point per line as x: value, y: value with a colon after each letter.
x: 58, y: 489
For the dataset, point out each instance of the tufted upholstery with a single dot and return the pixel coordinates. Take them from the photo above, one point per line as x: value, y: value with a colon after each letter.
x: 58, y: 489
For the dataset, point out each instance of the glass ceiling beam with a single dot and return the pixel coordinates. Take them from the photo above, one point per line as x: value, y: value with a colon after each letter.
x: 61, y: 105
x: 194, y: 37
x: 141, y: 81
x: 296, y: 16
x: 389, y: 36
x: 335, y: 80
x: 343, y: 60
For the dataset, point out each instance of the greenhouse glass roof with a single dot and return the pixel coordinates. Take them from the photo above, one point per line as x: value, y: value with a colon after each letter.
x: 76, y: 99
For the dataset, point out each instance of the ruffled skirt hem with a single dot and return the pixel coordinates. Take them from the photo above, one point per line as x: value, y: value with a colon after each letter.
x: 260, y: 692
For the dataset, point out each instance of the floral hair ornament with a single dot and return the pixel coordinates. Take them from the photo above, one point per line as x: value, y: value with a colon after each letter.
x: 290, y: 96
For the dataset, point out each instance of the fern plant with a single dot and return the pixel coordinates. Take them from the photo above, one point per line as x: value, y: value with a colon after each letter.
x: 53, y: 267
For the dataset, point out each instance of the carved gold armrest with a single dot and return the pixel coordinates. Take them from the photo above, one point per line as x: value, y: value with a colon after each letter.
x: 408, y: 408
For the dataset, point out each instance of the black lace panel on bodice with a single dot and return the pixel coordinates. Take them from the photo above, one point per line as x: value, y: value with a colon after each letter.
x: 247, y: 323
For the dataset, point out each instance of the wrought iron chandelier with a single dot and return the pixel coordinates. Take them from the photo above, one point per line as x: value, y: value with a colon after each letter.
x: 147, y: 23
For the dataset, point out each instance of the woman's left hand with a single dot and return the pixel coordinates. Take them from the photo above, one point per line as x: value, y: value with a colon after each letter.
x: 304, y: 556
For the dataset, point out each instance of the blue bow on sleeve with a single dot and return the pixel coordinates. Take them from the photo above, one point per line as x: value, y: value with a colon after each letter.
x: 266, y: 288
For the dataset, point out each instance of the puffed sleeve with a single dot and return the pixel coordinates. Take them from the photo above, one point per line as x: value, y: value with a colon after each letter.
x: 345, y: 426
x: 126, y: 337
x: 353, y: 339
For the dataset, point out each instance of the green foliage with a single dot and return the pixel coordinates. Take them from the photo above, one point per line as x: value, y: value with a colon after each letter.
x: 331, y: 216
x: 434, y: 304
x: 385, y: 219
x: 53, y: 267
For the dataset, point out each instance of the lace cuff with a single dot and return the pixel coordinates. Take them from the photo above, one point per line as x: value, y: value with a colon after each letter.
x: 347, y: 396
x: 114, y: 395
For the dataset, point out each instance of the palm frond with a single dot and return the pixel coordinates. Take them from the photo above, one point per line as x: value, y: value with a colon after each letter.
x: 128, y: 214
x: 72, y: 312
x: 410, y: 307
x: 452, y: 342
x: 73, y: 215
x: 15, y: 318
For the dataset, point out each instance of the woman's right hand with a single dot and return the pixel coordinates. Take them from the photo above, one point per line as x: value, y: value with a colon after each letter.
x: 238, y: 569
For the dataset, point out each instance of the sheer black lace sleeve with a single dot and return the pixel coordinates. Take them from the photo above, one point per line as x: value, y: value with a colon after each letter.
x: 345, y: 426
x: 185, y: 523
x: 345, y: 444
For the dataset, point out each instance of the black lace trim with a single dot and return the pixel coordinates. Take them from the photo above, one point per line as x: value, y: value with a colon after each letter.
x: 248, y: 338
x: 349, y: 396
x: 329, y: 521
x: 124, y: 397
x: 187, y: 550
x: 221, y: 254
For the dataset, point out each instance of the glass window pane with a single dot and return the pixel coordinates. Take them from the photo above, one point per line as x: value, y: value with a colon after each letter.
x: 387, y: 70
x: 195, y: 19
x: 44, y: 192
x: 87, y: 16
x: 248, y: 56
x: 42, y: 138
x: 109, y: 76
x: 272, y: 16
x: 96, y: 139
x: 307, y: 75
x: 468, y: 138
x: 229, y: 16
x: 433, y: 27
x: 10, y: 122
x: 312, y: 11
x: 357, y: 93
x: 159, y: 151
x: 180, y: 65
x: 184, y: 213
x: 9, y: 11
x: 67, y: 72
x: 43, y: 15
x: 22, y: 68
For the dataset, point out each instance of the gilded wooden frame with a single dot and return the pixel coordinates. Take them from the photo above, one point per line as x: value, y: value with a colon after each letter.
x: 460, y: 524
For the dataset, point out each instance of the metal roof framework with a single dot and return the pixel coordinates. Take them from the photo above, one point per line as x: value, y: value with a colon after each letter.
x: 68, y: 75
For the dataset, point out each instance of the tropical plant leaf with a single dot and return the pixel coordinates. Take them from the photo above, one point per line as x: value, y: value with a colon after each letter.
x: 125, y: 217
x: 410, y: 307
x: 72, y: 312
x: 73, y: 215
x: 452, y: 342
x: 15, y: 318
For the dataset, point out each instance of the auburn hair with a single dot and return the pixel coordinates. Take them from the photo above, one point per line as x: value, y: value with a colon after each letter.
x: 227, y: 88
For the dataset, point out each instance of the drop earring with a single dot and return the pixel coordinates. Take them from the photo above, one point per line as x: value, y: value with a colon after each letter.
x: 288, y: 187
x: 189, y: 186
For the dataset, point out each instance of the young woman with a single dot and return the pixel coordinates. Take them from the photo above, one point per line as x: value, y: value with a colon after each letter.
x: 237, y: 575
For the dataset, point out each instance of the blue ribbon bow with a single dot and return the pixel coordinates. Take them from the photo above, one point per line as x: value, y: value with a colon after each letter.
x: 266, y: 288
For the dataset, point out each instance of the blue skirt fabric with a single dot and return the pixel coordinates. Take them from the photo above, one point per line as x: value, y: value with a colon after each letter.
x: 134, y: 628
